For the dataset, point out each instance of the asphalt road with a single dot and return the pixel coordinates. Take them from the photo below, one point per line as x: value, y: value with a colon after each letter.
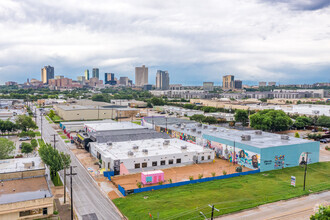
x: 88, y: 200
x: 294, y: 209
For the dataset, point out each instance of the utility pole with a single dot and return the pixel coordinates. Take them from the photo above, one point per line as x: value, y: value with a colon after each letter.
x: 234, y: 155
x: 306, y: 169
x: 54, y: 135
x: 212, y: 206
x: 41, y: 125
x: 64, y: 184
x: 71, y: 174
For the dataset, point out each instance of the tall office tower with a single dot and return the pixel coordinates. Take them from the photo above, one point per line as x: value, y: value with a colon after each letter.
x: 162, y: 80
x: 238, y: 84
x: 262, y: 84
x: 47, y: 73
x: 123, y: 80
x: 86, y: 74
x: 271, y: 83
x: 96, y: 73
x: 208, y: 86
x: 228, y: 82
x: 141, y: 76
x: 109, y: 78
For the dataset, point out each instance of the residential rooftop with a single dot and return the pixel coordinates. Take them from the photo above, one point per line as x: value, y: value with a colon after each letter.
x: 21, y: 164
x: 155, y: 147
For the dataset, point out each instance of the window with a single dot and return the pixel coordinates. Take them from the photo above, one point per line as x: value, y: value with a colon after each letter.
x: 170, y: 161
x: 137, y: 166
x: 178, y: 160
x: 162, y: 162
x: 44, y: 211
x: 202, y: 158
x: 144, y: 165
x: 154, y: 163
x: 32, y: 212
x: 209, y: 157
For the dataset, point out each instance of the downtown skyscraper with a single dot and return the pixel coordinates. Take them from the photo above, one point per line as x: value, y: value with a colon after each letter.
x: 162, y: 80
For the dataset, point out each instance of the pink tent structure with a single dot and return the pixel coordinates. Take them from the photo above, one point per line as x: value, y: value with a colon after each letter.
x: 152, y: 177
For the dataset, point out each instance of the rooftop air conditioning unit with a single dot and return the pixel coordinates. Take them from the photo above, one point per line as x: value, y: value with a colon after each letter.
x: 184, y: 147
x: 199, y: 125
x: 193, y: 129
x: 166, y: 142
x: 246, y: 137
x: 258, y: 132
x: 284, y: 137
x: 135, y: 147
x: 130, y: 153
x: 199, y: 132
x: 109, y: 143
x: 145, y: 151
x: 205, y: 126
x: 214, y: 129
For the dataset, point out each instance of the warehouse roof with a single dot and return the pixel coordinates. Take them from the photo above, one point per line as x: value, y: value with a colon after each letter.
x: 21, y: 164
x: 258, y: 139
x: 20, y: 190
x: 160, y: 120
x: 154, y: 147
x: 112, y: 126
x: 91, y: 107
x: 126, y: 135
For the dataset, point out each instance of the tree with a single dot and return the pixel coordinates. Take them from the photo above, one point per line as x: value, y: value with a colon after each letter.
x: 157, y: 101
x: 296, y: 135
x: 242, y: 116
x: 189, y: 106
x: 322, y: 214
x: 197, y: 117
x: 25, y: 123
x: 210, y: 120
x: 26, y: 148
x: 323, y: 121
x: 53, y: 158
x: 7, y: 126
x: 34, y: 143
x: 6, y: 148
x: 302, y: 122
x: 51, y: 114
x: 270, y: 120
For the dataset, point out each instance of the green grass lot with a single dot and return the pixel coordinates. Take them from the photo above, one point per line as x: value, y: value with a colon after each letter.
x: 228, y: 195
x: 63, y: 136
x: 67, y: 141
x: 137, y: 122
x: 38, y: 134
x: 49, y: 120
x: 41, y: 142
x: 60, y: 132
x: 56, y: 180
x: 57, y: 119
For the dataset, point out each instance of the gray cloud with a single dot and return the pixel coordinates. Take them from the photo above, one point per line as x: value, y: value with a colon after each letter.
x: 308, y: 5
x: 255, y: 40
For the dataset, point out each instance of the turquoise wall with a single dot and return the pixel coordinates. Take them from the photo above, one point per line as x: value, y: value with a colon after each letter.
x: 277, y: 157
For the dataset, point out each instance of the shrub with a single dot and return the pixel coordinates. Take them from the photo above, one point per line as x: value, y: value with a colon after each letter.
x: 34, y: 143
x: 160, y: 183
x: 213, y: 174
x: 200, y: 176
x: 191, y: 178
x: 296, y: 135
x: 170, y: 180
x: 139, y: 185
x: 55, y: 212
x: 224, y: 172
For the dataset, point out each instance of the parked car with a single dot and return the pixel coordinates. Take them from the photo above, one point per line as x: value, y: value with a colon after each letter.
x: 323, y: 141
x: 24, y: 139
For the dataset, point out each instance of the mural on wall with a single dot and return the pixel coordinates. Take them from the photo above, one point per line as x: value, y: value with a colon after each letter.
x: 242, y: 157
x: 302, y: 159
x: 279, y: 161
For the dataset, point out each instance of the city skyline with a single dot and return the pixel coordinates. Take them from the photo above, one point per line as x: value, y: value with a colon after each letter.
x: 284, y: 42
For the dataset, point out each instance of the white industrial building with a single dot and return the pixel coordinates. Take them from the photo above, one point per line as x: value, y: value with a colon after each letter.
x: 150, y: 154
x: 111, y: 126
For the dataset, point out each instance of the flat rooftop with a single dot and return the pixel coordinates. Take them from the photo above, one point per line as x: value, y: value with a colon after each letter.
x: 263, y: 140
x: 161, y: 120
x: 126, y: 135
x: 24, y: 190
x: 21, y: 164
x: 155, y: 147
x: 85, y: 122
x: 112, y: 126
x: 90, y: 107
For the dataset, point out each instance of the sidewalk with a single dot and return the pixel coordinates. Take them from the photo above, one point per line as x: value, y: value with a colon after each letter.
x: 294, y: 209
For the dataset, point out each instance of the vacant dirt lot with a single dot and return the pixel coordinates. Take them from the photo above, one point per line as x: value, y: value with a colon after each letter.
x: 178, y: 174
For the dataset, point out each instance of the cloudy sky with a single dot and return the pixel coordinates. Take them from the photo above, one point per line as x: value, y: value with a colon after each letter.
x: 286, y: 41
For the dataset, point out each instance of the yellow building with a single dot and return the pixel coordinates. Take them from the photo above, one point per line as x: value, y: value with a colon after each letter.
x: 25, y: 192
x: 228, y: 82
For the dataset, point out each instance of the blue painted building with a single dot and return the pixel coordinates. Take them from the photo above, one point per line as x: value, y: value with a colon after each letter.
x: 261, y: 150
